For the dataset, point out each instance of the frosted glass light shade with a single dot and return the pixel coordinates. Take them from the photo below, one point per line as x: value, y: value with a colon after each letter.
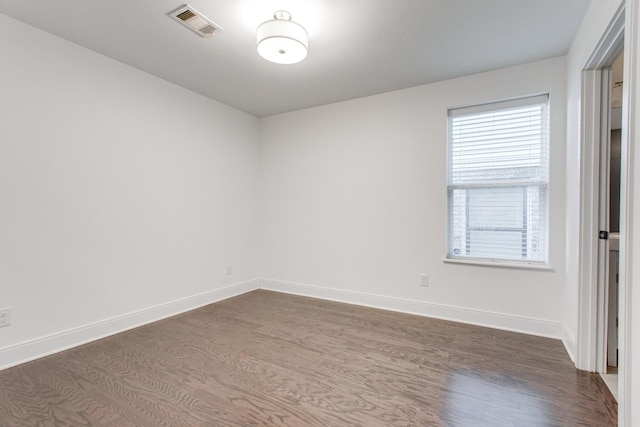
x: 281, y: 40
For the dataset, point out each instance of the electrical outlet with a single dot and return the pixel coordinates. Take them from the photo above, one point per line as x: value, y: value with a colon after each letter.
x: 229, y: 269
x: 5, y: 317
x: 424, y: 280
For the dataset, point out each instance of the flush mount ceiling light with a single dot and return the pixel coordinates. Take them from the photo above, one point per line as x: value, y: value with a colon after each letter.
x: 281, y: 40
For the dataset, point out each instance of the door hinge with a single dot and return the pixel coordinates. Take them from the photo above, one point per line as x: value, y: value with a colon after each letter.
x: 604, y: 235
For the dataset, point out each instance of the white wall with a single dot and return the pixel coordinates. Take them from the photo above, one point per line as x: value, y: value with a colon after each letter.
x: 122, y: 196
x: 354, y: 204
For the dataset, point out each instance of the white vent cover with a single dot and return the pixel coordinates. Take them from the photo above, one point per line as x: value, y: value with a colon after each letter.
x: 195, y: 21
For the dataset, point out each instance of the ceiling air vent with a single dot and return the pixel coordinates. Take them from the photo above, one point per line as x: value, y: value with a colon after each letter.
x: 195, y: 21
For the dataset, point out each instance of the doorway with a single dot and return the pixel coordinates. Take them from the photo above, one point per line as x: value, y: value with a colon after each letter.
x: 595, y: 129
x: 610, y: 175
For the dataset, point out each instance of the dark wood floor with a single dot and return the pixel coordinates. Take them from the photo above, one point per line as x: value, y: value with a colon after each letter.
x: 270, y: 359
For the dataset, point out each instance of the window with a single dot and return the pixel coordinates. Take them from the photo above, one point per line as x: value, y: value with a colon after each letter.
x: 497, y: 182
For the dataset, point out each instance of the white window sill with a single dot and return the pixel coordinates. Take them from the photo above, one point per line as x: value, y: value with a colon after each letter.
x: 507, y: 264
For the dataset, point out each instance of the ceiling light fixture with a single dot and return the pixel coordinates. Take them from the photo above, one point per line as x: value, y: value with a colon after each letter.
x: 281, y: 40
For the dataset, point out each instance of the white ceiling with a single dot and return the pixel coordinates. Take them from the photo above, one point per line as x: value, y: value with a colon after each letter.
x: 356, y: 47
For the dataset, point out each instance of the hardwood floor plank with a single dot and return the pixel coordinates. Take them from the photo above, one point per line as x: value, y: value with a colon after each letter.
x: 271, y: 359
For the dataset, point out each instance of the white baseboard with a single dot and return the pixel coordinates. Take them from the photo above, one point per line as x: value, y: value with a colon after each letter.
x: 569, y: 342
x: 34, y: 349
x: 502, y: 321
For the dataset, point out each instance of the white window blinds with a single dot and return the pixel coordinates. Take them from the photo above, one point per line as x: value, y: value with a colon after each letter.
x: 497, y: 179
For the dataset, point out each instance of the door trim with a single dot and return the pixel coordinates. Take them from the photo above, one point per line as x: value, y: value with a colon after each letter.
x: 622, y: 33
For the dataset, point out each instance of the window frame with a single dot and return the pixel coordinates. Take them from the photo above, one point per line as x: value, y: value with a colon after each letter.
x: 543, y: 185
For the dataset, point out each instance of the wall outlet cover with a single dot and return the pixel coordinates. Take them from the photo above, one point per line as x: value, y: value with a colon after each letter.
x: 424, y: 280
x: 5, y: 316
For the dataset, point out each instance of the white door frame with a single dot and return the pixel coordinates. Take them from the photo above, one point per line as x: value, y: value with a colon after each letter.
x: 591, y: 349
x: 629, y: 338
